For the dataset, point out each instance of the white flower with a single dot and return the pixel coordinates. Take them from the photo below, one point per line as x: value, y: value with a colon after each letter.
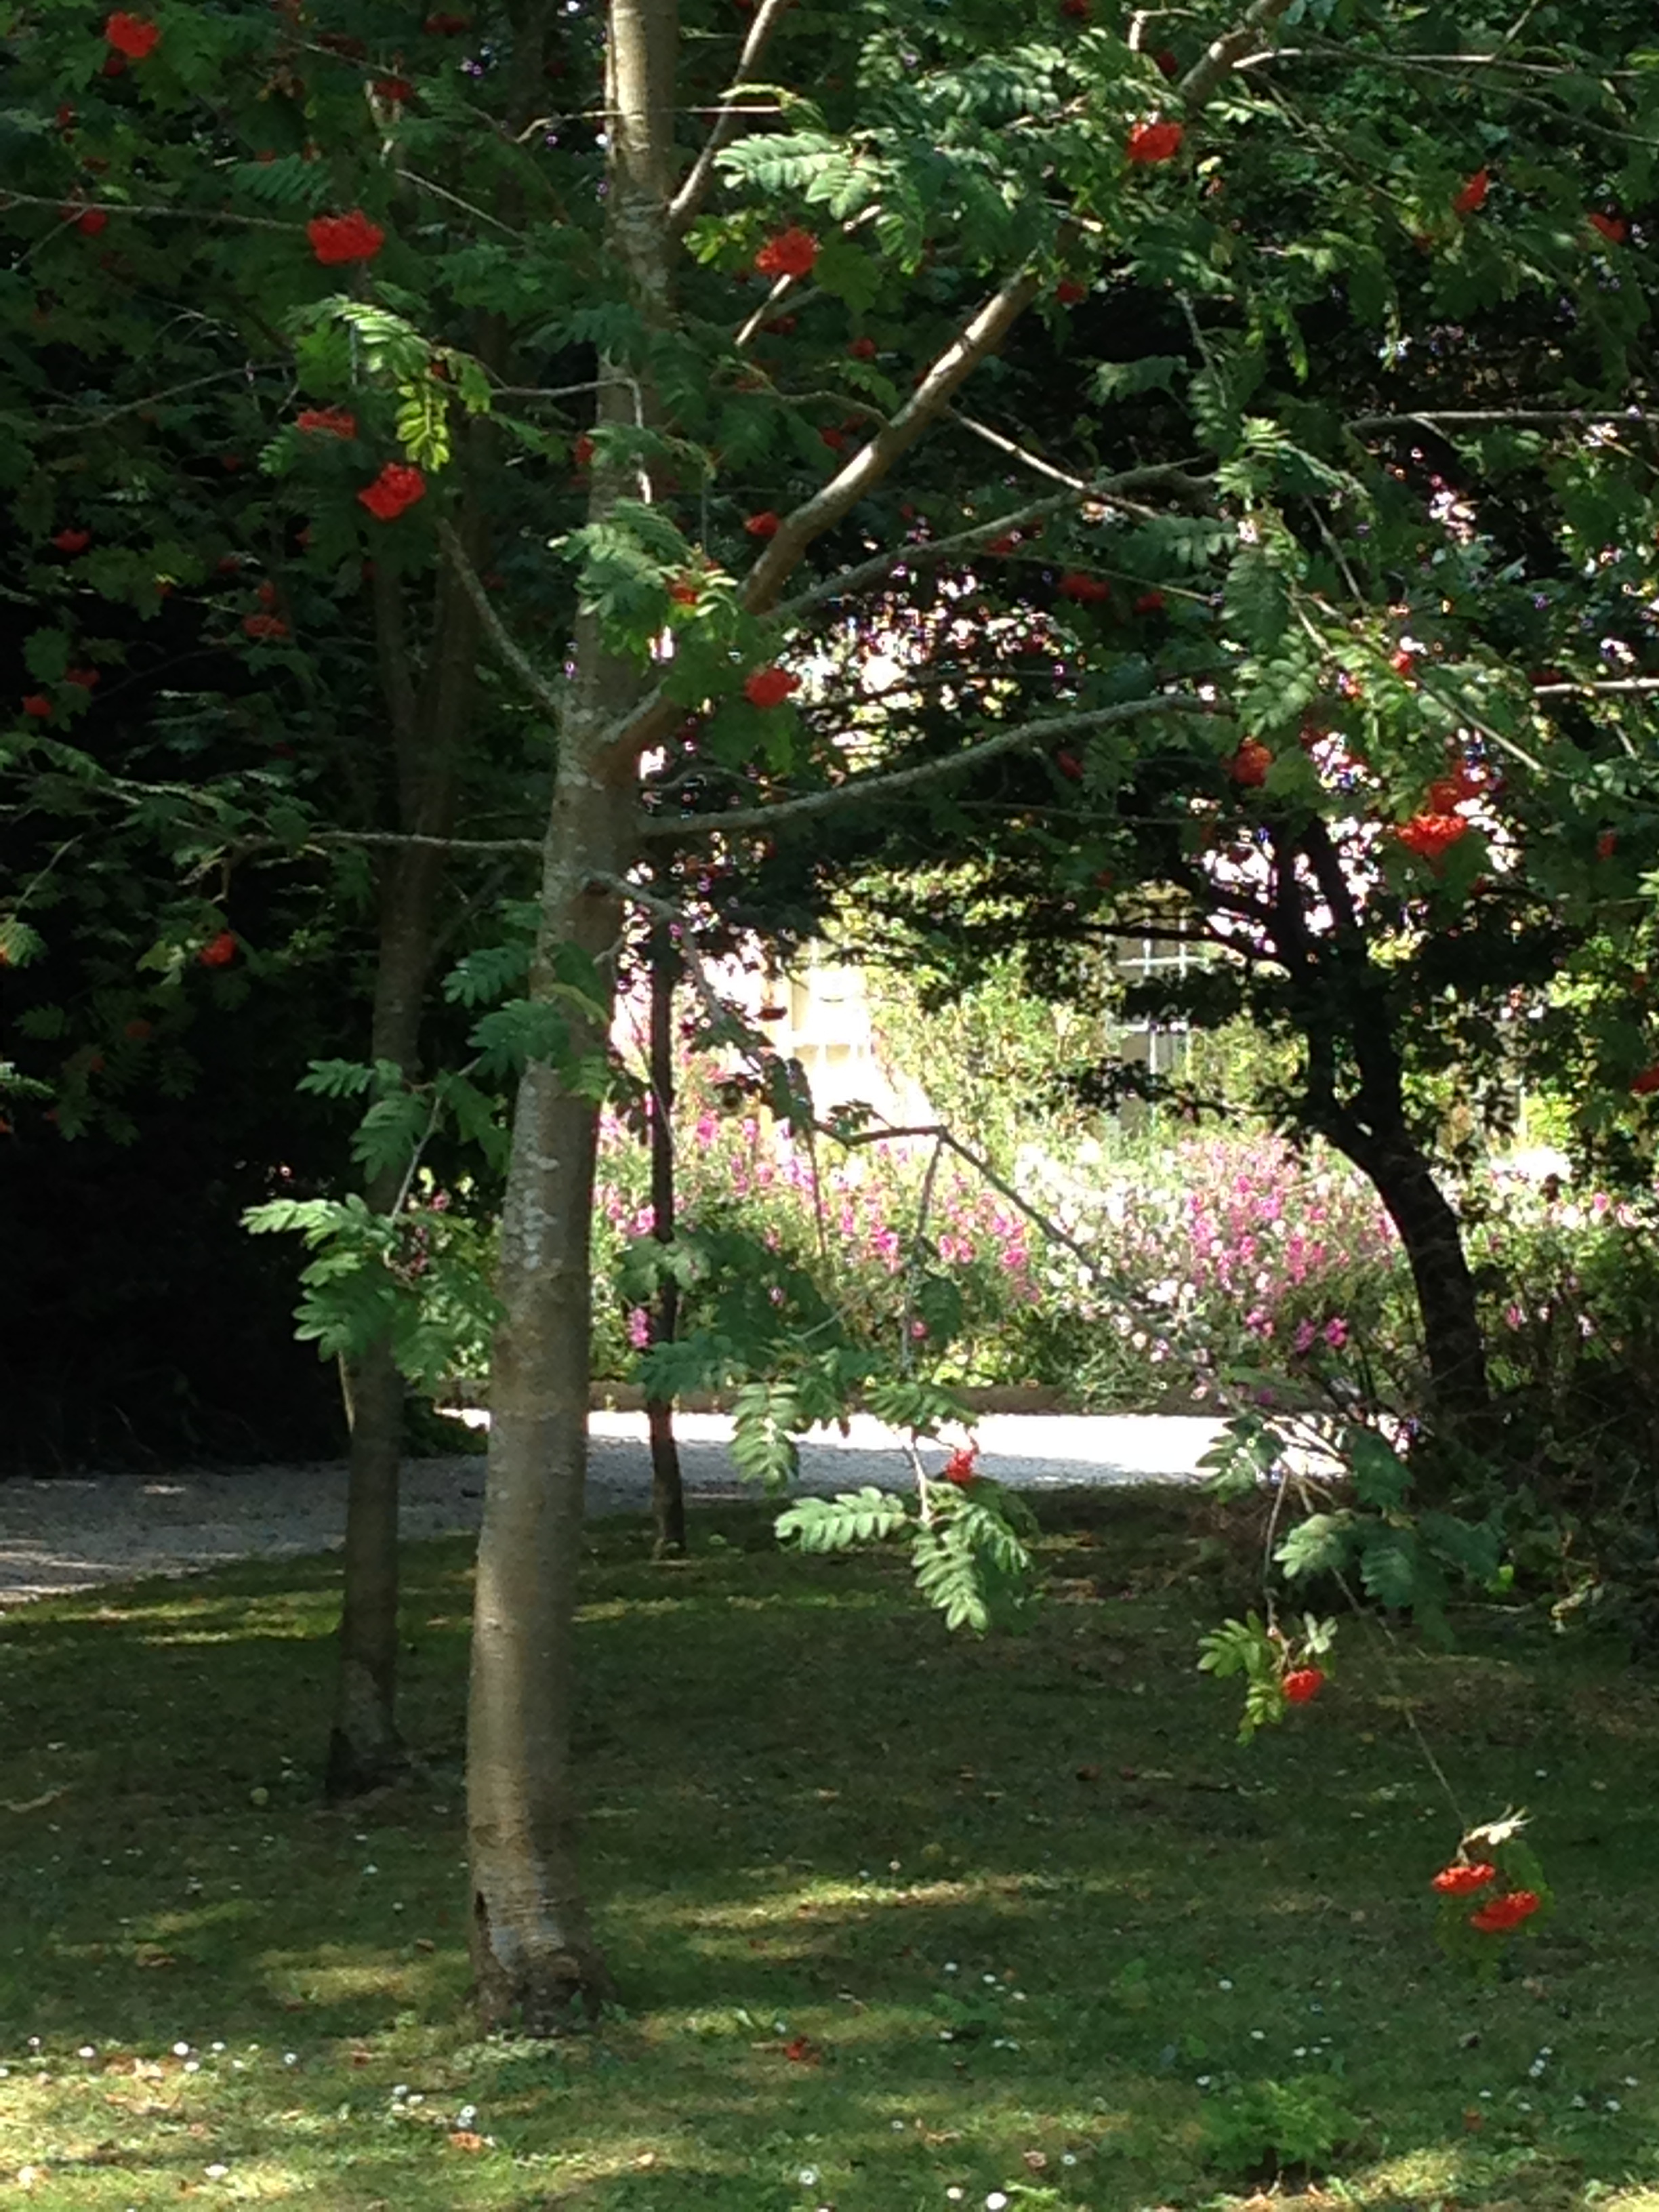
x: 1258, y: 2035
x: 290, y: 2058
x: 1613, y: 2104
x: 216, y: 2172
x: 995, y: 2201
x: 1068, y: 2158
x: 954, y: 2194
x: 1223, y: 1983
x: 988, y: 1978
x: 1630, y: 2082
x: 181, y: 2051
x: 898, y: 2127
x: 192, y: 2065
x: 467, y: 2114
x: 87, y: 2051
x: 951, y: 1967
x: 808, y: 2176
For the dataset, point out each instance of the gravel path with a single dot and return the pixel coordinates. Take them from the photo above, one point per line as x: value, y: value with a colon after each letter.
x: 72, y: 1532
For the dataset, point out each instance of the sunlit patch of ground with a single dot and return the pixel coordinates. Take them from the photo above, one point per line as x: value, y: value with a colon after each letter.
x: 893, y: 1915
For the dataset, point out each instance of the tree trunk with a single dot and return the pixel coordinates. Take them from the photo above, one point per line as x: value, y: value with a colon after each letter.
x: 1429, y: 1231
x: 364, y: 1747
x: 1339, y: 993
x: 536, y: 1961
x: 534, y: 1956
x: 667, y: 1488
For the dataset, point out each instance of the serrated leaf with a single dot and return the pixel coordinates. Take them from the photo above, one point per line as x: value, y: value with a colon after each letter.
x: 1318, y: 1545
x: 1381, y: 1477
x: 1388, y: 1565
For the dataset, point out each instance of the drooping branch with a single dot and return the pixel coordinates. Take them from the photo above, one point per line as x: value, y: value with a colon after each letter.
x: 888, y: 783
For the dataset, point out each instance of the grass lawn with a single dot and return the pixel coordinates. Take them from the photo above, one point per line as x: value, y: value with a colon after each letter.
x: 901, y: 1920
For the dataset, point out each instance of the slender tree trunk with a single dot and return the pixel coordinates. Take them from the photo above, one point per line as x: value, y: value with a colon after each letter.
x: 667, y: 1488
x: 536, y: 1961
x: 534, y: 1956
x: 365, y: 1749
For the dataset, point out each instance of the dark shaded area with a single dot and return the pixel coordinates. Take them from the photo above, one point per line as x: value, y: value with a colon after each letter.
x: 138, y: 1320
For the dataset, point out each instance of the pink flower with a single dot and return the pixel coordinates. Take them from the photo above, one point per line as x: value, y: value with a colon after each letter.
x: 639, y: 1327
x: 1336, y: 1333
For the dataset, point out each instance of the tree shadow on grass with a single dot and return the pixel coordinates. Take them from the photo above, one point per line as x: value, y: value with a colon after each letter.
x: 901, y: 1911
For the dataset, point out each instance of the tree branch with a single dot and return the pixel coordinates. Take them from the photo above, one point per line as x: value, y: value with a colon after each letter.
x: 1431, y: 418
x: 90, y: 418
x: 925, y: 550
x: 1610, y: 683
x: 686, y: 202
x: 513, y: 654
x: 389, y: 837
x: 889, y: 783
x: 1226, y: 53
x: 1006, y: 445
x: 196, y: 215
x: 979, y: 338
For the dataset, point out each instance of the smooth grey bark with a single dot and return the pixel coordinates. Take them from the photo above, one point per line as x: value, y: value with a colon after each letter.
x: 536, y: 1963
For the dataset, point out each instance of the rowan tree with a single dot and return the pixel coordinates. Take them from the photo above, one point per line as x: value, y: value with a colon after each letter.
x: 553, y: 222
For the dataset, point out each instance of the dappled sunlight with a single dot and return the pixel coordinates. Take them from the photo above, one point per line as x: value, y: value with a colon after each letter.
x: 1043, y: 1909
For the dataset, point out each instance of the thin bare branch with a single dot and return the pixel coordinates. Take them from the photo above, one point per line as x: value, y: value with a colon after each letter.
x: 454, y: 199
x: 1432, y: 417
x: 924, y: 552
x: 686, y: 202
x: 1021, y: 454
x: 91, y: 418
x: 513, y: 653
x: 393, y: 837
x: 888, y: 783
x: 1568, y: 690
x: 196, y: 215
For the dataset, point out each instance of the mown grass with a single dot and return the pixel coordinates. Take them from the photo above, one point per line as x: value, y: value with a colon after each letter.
x: 1014, y: 1898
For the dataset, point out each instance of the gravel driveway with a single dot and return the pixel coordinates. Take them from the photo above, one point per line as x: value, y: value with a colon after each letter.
x: 70, y: 1532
